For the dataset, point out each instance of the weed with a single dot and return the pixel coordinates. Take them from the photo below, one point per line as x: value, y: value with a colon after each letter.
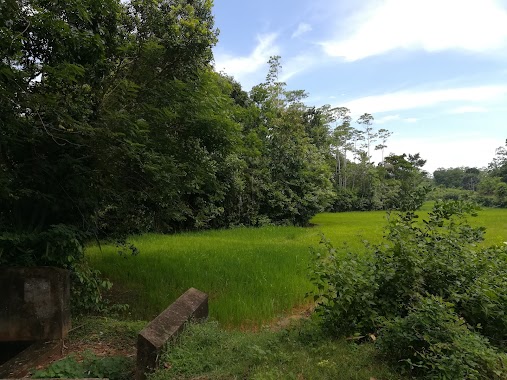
x: 113, y: 368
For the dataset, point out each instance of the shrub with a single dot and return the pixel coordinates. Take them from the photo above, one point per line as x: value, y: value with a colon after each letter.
x: 87, y: 289
x: 417, y: 258
x: 346, y: 290
x: 434, y: 342
x: 344, y: 200
x: 483, y: 302
x: 434, y: 259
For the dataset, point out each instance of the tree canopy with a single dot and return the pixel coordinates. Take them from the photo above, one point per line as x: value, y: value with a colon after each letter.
x: 113, y: 122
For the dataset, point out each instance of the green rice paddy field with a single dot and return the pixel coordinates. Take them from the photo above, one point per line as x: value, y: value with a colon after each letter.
x: 252, y: 275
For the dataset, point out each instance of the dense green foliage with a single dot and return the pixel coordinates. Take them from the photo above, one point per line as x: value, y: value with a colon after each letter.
x: 113, y: 122
x: 498, y: 167
x: 282, y: 176
x: 89, y: 120
x: 433, y: 342
x: 423, y: 266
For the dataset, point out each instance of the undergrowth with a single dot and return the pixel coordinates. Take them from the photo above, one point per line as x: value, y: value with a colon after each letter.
x: 205, y: 351
x: 91, y: 366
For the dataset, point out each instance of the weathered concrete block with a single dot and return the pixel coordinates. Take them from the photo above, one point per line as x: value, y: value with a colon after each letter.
x: 193, y: 304
x: 35, y: 304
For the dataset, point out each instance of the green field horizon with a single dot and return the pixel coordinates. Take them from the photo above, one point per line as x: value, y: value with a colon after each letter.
x: 252, y: 275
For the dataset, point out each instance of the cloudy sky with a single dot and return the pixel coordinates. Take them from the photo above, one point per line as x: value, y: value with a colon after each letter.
x: 434, y: 72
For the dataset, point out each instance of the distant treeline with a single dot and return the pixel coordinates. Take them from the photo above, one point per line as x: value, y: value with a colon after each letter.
x: 487, y: 186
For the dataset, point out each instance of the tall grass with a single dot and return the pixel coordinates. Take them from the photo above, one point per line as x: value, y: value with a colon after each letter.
x: 251, y: 275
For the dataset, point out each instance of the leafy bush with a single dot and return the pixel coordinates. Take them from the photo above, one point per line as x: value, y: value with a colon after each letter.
x: 491, y: 192
x: 87, y: 289
x: 483, y: 302
x: 344, y: 200
x: 113, y: 368
x: 437, y: 257
x: 433, y: 341
x: 346, y: 290
x: 59, y: 245
x: 417, y: 258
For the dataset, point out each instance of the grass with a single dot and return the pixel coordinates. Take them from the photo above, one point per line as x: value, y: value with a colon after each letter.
x: 495, y: 220
x: 92, y: 331
x: 301, y: 352
x: 105, y: 347
x: 251, y: 275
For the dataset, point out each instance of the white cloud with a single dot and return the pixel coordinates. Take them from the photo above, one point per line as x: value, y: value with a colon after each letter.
x: 246, y: 69
x: 472, y: 151
x: 389, y: 118
x: 296, y: 65
x: 385, y: 119
x: 302, y: 29
x: 403, y: 100
x: 467, y: 109
x: 430, y: 25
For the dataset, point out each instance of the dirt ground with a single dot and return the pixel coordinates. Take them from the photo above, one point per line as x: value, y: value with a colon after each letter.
x: 106, y: 337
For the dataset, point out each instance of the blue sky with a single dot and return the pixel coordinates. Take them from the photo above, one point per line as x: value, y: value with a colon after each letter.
x: 434, y: 72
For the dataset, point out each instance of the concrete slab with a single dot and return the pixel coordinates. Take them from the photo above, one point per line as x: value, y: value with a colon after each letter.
x: 193, y: 304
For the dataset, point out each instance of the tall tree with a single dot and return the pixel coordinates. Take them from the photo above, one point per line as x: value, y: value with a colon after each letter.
x: 383, y: 135
x: 341, y: 143
x: 366, y: 121
x: 94, y: 120
x: 406, y: 181
x: 299, y: 176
